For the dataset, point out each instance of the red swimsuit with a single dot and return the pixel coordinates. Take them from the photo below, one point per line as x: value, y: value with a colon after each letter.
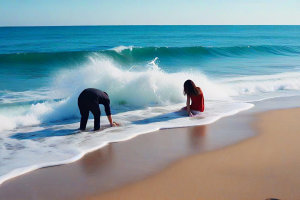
x: 197, y: 102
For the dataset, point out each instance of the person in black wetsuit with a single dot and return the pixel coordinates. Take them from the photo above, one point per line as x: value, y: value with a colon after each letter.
x: 89, y: 100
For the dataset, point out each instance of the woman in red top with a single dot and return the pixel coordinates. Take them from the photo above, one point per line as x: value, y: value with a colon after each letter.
x: 195, y: 94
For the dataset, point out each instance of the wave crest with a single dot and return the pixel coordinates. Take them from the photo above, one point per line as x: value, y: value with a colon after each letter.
x: 131, y: 54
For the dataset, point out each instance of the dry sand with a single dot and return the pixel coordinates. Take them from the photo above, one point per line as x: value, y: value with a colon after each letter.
x: 265, y: 166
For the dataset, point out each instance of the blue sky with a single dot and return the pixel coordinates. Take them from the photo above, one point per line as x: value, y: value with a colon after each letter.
x: 145, y: 12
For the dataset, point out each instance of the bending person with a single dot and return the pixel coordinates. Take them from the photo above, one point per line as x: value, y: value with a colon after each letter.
x: 89, y: 100
x: 195, y: 94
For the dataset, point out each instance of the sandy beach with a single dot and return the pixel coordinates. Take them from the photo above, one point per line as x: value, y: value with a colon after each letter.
x: 265, y: 166
x: 245, y: 156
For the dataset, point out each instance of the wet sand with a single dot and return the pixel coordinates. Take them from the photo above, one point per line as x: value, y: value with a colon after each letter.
x: 224, y: 160
x: 262, y: 167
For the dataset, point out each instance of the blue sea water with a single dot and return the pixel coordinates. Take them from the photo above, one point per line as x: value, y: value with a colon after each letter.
x: 142, y: 68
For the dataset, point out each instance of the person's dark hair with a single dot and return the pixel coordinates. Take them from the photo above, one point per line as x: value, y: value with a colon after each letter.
x: 106, y: 94
x: 190, y: 88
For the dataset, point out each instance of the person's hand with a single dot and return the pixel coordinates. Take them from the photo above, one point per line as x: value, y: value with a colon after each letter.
x: 115, y: 124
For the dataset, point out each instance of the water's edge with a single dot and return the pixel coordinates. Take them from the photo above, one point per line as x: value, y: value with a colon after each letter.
x: 260, y: 106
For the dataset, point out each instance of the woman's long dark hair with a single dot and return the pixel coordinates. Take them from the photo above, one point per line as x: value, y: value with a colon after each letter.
x: 190, y: 88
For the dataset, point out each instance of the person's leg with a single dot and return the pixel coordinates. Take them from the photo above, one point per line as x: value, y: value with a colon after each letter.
x: 84, y: 112
x: 96, y: 112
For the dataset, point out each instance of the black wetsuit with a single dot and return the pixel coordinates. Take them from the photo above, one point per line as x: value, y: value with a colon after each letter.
x: 89, y: 100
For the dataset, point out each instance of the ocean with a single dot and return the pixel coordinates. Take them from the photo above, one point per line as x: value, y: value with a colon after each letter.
x: 142, y: 68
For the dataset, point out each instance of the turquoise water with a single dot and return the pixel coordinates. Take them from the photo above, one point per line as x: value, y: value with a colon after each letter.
x: 34, y: 54
x: 142, y: 68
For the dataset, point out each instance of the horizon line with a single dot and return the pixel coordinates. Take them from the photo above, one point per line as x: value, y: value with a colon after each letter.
x: 154, y: 25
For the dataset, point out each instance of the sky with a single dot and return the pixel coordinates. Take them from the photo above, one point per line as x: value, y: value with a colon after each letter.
x: 148, y: 12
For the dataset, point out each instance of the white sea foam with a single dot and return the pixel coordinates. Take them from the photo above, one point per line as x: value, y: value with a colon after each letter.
x: 142, y: 101
x: 263, y: 83
x: 131, y: 89
x: 119, y: 49
x: 149, y: 87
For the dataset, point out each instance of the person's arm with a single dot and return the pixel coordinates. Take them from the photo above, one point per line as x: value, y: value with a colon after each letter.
x: 108, y: 114
x: 109, y: 117
x: 188, y: 105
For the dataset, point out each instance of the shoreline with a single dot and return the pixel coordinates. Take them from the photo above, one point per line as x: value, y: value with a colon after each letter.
x: 24, y: 170
x: 94, y: 162
x: 262, y: 167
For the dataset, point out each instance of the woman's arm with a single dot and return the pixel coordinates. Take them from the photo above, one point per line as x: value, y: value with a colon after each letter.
x: 188, y: 105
